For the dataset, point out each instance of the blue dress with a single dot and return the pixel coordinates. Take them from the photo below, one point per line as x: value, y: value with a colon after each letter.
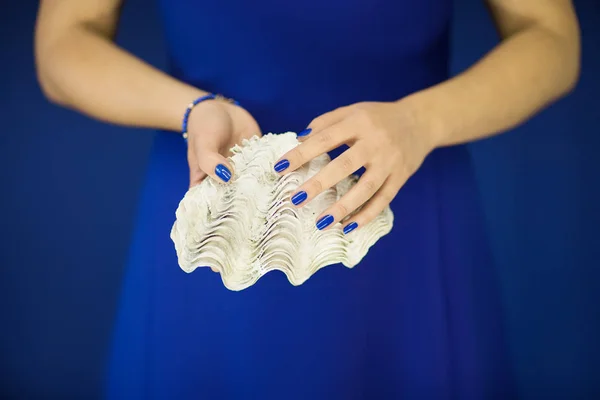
x: 418, y: 318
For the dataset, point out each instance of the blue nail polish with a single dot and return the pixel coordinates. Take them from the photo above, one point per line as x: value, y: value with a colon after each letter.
x: 324, y: 222
x: 305, y: 132
x: 281, y: 165
x: 223, y: 172
x: 299, y: 198
x: 350, y: 227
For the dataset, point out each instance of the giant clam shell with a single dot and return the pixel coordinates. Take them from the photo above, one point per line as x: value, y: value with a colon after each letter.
x: 249, y: 227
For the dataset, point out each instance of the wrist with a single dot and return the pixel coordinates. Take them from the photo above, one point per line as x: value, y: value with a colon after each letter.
x: 425, y: 119
x: 199, y: 106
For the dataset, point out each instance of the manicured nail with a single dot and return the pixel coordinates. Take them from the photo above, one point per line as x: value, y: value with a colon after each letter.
x: 223, y: 172
x: 281, y: 165
x: 324, y: 222
x: 350, y: 227
x: 304, y: 132
x: 299, y: 198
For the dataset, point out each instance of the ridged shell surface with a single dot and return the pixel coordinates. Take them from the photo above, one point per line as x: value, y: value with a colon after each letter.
x: 248, y: 227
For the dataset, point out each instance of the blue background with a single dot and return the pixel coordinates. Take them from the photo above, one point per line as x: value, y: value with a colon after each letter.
x: 69, y: 187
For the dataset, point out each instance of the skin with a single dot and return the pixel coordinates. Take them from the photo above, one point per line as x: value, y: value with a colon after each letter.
x: 537, y: 61
x: 80, y: 67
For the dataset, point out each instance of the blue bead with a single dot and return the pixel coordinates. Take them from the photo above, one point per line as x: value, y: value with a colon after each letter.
x: 190, y: 107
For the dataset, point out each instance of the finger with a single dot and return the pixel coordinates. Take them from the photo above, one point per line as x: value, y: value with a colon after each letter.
x: 317, y: 144
x: 374, y: 206
x: 341, y: 167
x: 214, y: 164
x: 323, y: 121
x: 196, y: 174
x: 365, y: 189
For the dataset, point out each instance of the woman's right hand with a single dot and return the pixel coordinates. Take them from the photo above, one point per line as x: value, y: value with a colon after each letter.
x: 214, y: 127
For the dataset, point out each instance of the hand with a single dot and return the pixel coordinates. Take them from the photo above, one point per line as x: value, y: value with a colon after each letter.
x: 214, y: 127
x: 385, y: 138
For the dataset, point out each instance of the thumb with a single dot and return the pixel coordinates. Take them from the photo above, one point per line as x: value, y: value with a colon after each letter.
x: 215, y: 165
x: 196, y: 176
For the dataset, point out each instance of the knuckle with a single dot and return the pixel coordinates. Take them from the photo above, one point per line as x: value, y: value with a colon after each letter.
x: 317, y: 123
x: 371, y: 150
x: 316, y: 186
x: 363, y: 117
x: 348, y: 164
x: 342, y: 210
x: 362, y: 106
x: 296, y: 155
x: 382, y: 140
x: 324, y: 137
x: 342, y: 109
x: 369, y: 185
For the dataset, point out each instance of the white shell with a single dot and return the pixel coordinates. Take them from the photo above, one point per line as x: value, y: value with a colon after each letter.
x: 249, y: 226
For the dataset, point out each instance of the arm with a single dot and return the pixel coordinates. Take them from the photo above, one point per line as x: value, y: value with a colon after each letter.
x: 80, y: 67
x: 537, y: 62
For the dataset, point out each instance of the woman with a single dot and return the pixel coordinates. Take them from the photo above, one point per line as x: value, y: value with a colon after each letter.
x: 419, y: 317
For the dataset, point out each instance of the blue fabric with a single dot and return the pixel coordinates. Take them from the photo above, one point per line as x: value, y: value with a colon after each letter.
x: 419, y: 317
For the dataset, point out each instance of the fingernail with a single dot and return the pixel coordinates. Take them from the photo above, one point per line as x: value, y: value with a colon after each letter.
x: 304, y: 132
x: 350, y: 227
x: 281, y: 165
x: 223, y: 172
x: 324, y: 222
x: 299, y: 198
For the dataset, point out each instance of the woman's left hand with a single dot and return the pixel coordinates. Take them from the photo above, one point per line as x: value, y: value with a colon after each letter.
x: 386, y: 138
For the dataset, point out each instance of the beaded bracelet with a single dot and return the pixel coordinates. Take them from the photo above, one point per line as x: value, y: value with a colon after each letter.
x: 194, y: 103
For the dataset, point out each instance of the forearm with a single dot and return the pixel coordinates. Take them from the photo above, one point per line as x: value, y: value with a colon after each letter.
x: 87, y: 72
x: 524, y: 73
